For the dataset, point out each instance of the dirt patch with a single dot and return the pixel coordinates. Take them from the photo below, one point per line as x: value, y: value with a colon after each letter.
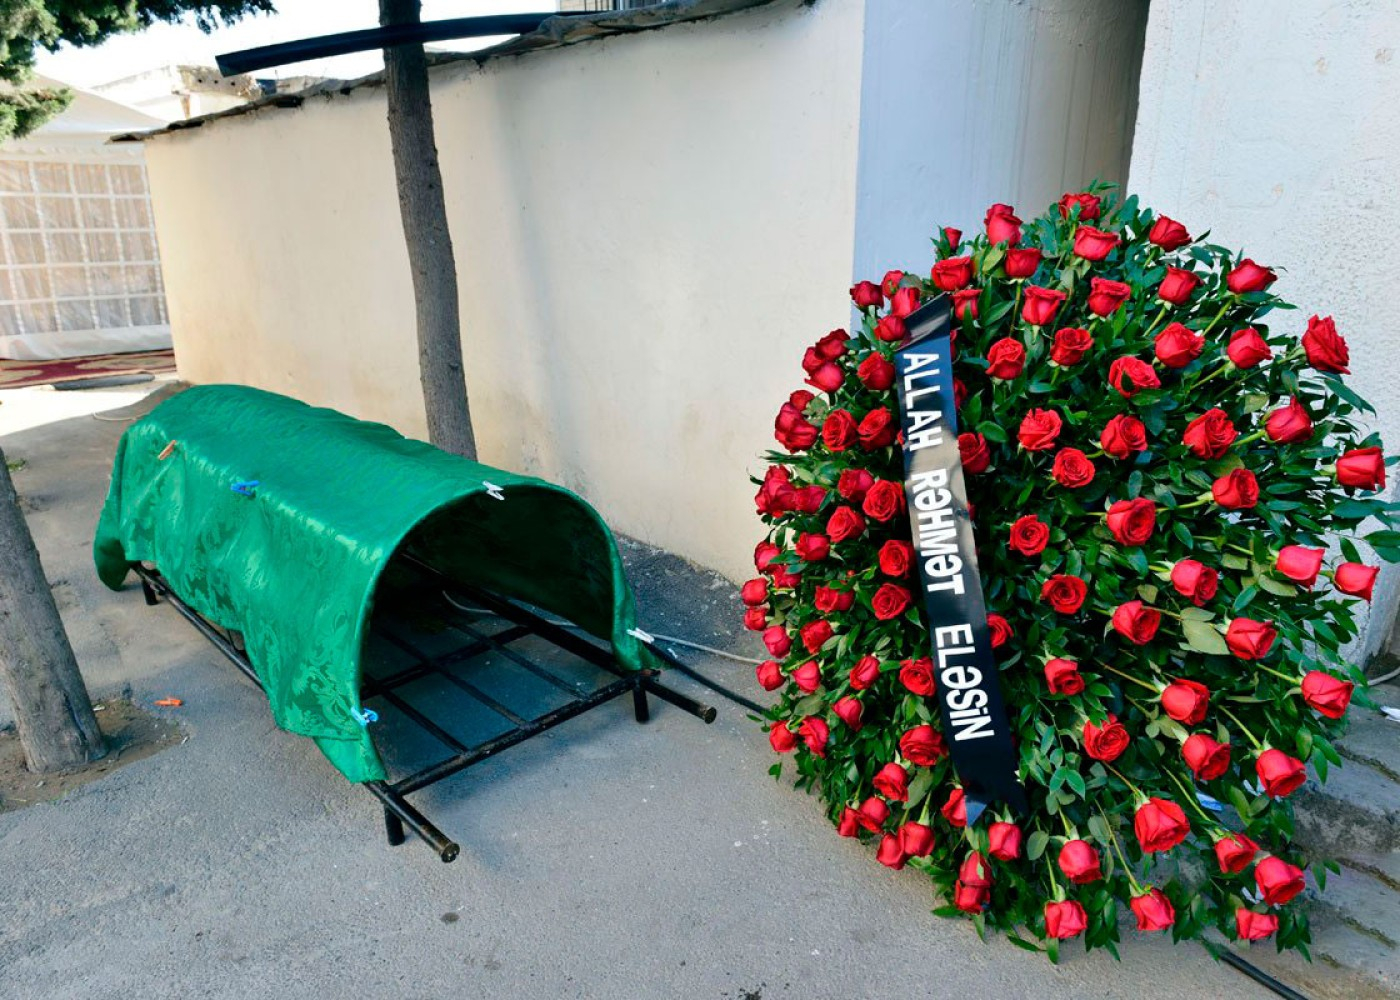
x: 132, y: 734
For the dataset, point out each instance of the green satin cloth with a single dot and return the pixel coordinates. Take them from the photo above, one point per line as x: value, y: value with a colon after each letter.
x: 294, y: 566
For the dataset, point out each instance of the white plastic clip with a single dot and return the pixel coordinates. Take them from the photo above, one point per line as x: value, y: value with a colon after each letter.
x: 637, y: 633
x: 494, y: 490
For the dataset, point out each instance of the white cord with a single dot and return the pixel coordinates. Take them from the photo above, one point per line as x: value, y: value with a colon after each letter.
x: 1386, y: 677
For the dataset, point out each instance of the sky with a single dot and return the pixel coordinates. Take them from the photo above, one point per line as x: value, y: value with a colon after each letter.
x: 125, y: 55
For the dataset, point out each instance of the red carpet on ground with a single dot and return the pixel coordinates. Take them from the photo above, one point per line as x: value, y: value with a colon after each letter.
x: 17, y: 374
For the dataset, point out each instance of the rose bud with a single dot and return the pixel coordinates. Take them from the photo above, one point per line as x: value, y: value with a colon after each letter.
x: 952, y: 273
x: 1210, y: 435
x: 1039, y: 429
x: 1362, y: 468
x: 916, y: 839
x: 1072, y: 468
x: 923, y: 745
x: 965, y: 302
x: 1022, y: 263
x: 1177, y: 347
x: 884, y: 500
x: 1195, y: 581
x: 1154, y: 911
x: 1123, y: 436
x: 892, y: 782
x: 975, y: 872
x: 781, y: 738
x: 877, y: 430
x: 1080, y: 862
x: 1325, y: 348
x: 783, y: 580
x: 792, y: 430
x: 890, y: 601
x: 1136, y: 622
x: 890, y: 854
x: 849, y: 711
x: 1106, y: 296
x: 1088, y: 205
x: 1327, y: 694
x: 754, y: 592
x: 756, y: 619
x: 1355, y: 579
x: 1186, y: 701
x: 1065, y: 919
x: 876, y: 372
x: 1168, y: 234
x: 1029, y: 536
x: 1105, y: 743
x: 1206, y: 758
x: 1177, y: 287
x: 812, y: 547
x: 1278, y: 881
x: 955, y: 809
x: 815, y: 634
x: 1160, y: 825
x: 864, y: 673
x: 1006, y: 358
x: 1290, y: 424
x: 1251, y: 926
x: 953, y: 236
x: 1280, y: 774
x: 891, y: 282
x: 828, y: 599
x: 970, y: 898
x: 1132, y: 375
x: 1236, y: 490
x: 1132, y: 521
x: 1248, y: 276
x: 844, y: 524
x: 904, y: 301
x: 1004, y: 841
x: 776, y: 638
x: 1002, y: 225
x: 1063, y: 677
x: 1247, y: 348
x: 849, y: 823
x: 917, y: 675
x: 896, y: 558
x: 1234, y: 852
x: 872, y: 813
x: 839, y: 430
x: 853, y: 484
x: 814, y: 733
x: 1299, y: 563
x: 1000, y: 629
x: 975, y: 454
x: 828, y: 377
x: 1070, y: 346
x: 770, y: 675
x: 763, y: 555
x: 1094, y: 244
x: 1249, y: 639
x: 1064, y: 593
x: 807, y: 677
x: 867, y: 294
x: 1040, y: 304
x: 890, y: 329
x: 809, y: 499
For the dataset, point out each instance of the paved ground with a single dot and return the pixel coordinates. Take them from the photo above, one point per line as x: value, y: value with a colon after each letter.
x: 604, y: 860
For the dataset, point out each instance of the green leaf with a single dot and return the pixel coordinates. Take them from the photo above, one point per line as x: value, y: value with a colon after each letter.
x: 1203, y: 638
x: 1098, y: 828
x: 1276, y: 587
x: 920, y: 787
x: 1035, y: 844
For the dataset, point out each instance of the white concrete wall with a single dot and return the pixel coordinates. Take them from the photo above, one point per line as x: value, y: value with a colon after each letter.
x: 1278, y: 128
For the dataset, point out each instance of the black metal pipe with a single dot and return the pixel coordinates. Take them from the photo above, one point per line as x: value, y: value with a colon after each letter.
x: 231, y: 653
x: 444, y: 847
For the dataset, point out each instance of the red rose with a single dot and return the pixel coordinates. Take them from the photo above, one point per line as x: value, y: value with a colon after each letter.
x: 814, y: 634
x: 1132, y: 375
x: 828, y: 377
x: 872, y: 813
x: 1065, y: 919
x: 952, y: 273
x: 1105, y: 296
x: 1064, y: 593
x: 890, y: 601
x: 876, y: 372
x: 955, y: 809
x: 1063, y: 677
x: 923, y: 745
x: 1355, y: 579
x: 1177, y: 286
x: 1070, y: 346
x: 1004, y: 841
x: 1236, y: 490
x: 849, y: 823
x: 1211, y: 434
x: 1251, y: 926
x: 792, y: 429
x: 917, y: 675
x: 776, y: 638
x: 1290, y: 424
x: 844, y: 524
x: 781, y: 738
x: 1072, y: 468
x: 974, y: 872
x: 839, y: 430
x: 1249, y: 639
x: 763, y: 555
x: 1325, y: 348
x: 1002, y: 225
x: 1234, y: 852
x: 965, y: 302
x: 1278, y: 881
x: 1327, y: 694
x: 770, y: 675
x: 833, y: 345
x: 1206, y: 758
x: 1088, y: 205
x: 1195, y: 581
x: 1248, y: 276
x: 893, y: 279
x: 812, y: 548
x: 1300, y: 563
x: 853, y: 484
x: 1160, y: 825
x: 1105, y: 743
x: 814, y: 733
x: 1006, y: 358
x: 1039, y: 429
x: 1000, y: 630
x: 959, y: 393
x: 892, y: 782
x: 970, y: 899
x: 1362, y: 468
x: 884, y: 500
x: 829, y: 599
x: 1154, y: 911
x: 1168, y: 234
x: 975, y: 454
x: 809, y: 499
x: 916, y: 839
x: 1177, y: 346
x: 877, y: 430
x: 756, y: 619
x: 1022, y: 263
x: 1029, y: 536
x: 783, y: 580
x: 952, y: 236
x: 904, y: 302
x: 890, y: 329
x: 754, y: 591
x: 776, y: 496
x: 896, y: 557
x: 1186, y: 701
x: 864, y: 673
x: 1279, y: 774
x: 1136, y: 622
x: 1122, y: 436
x: 1132, y: 521
x: 807, y: 677
x: 1247, y: 348
x: 1080, y: 862
x: 1040, y: 304
x: 866, y: 294
x: 1094, y: 244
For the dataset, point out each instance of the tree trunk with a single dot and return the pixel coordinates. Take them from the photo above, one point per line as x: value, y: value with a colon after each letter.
x: 56, y: 726
x: 424, y: 214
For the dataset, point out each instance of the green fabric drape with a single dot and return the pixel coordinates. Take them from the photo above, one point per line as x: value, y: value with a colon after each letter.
x: 294, y: 566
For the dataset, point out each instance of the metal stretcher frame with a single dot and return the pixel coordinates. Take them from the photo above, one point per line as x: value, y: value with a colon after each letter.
x: 399, y: 813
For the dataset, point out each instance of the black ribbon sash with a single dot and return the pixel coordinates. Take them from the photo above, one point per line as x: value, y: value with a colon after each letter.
x: 969, y: 695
